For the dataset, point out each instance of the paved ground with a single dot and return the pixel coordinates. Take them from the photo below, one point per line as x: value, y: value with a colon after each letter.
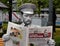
x: 1, y: 42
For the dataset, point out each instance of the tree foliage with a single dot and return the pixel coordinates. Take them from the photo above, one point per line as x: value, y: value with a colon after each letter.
x: 45, y: 3
x: 56, y: 3
x: 38, y: 3
x: 4, y: 1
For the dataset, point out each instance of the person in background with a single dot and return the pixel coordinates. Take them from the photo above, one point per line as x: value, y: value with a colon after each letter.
x: 43, y: 21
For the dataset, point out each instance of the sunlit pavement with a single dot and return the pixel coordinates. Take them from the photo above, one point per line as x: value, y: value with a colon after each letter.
x: 1, y: 42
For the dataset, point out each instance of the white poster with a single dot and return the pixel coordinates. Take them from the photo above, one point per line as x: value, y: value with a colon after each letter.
x: 38, y: 36
x: 19, y: 33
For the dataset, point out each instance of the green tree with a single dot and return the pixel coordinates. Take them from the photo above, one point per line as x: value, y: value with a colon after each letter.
x: 41, y: 4
x: 4, y: 1
x: 56, y: 3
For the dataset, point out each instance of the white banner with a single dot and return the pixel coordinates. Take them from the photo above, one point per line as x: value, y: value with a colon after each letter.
x: 38, y: 36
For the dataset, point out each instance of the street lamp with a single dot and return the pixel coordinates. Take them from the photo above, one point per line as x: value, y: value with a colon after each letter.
x: 52, y: 17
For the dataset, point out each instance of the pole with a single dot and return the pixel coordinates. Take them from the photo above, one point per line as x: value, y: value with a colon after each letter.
x: 50, y: 18
x: 10, y: 10
x: 39, y: 4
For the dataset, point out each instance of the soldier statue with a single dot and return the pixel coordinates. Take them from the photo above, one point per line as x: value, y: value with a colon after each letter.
x: 27, y: 11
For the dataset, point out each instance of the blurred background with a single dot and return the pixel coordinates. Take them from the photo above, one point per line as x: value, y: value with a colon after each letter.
x: 9, y: 11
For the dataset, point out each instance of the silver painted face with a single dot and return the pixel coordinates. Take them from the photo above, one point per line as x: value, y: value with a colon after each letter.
x: 27, y: 19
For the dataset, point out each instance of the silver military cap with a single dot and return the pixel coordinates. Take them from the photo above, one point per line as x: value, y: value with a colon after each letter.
x: 27, y: 8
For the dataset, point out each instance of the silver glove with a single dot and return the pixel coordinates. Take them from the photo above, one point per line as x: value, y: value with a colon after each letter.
x: 6, y: 37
